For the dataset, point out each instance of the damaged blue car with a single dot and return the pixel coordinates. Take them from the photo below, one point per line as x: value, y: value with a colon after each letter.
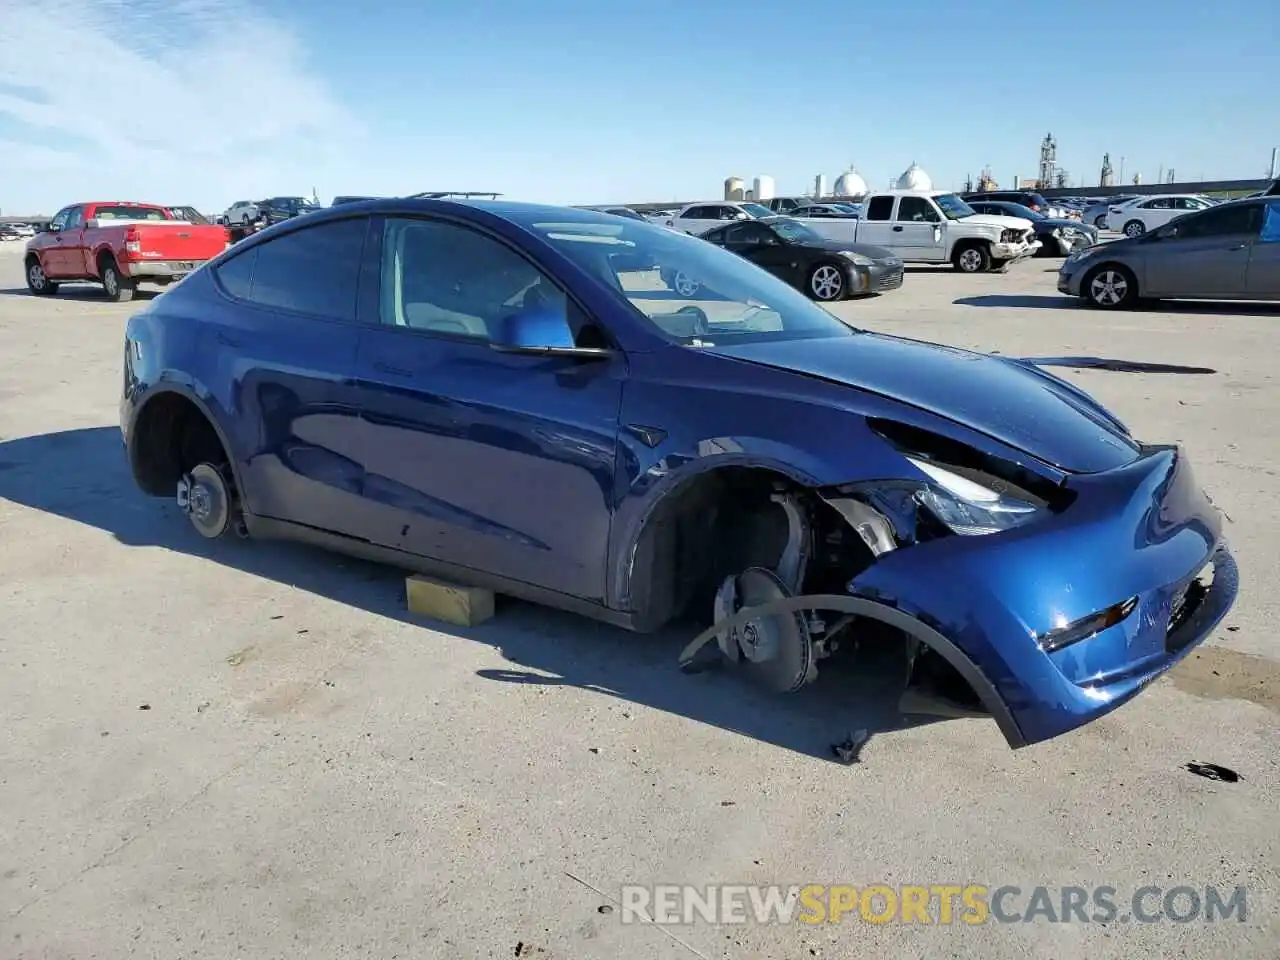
x: 520, y: 397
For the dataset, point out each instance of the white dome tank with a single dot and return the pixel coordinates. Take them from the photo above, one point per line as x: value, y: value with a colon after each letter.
x: 913, y: 178
x: 850, y: 184
x: 763, y: 189
x: 734, y: 188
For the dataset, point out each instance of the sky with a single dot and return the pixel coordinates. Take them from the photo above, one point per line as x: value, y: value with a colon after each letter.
x: 206, y: 102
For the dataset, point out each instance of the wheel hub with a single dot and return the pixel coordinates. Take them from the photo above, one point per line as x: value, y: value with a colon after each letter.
x: 205, y: 499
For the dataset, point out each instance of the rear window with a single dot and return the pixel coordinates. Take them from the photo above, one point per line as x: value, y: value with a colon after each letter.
x: 123, y: 212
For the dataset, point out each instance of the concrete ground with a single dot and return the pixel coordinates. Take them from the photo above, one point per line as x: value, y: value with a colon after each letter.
x: 251, y: 750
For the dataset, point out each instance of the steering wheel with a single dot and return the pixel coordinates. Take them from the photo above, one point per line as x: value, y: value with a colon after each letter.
x: 701, y: 323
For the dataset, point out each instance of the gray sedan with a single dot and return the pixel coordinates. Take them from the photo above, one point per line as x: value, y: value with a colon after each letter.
x: 1229, y: 252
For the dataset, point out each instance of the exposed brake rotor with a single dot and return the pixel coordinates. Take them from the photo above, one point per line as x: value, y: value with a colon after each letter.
x: 775, y: 651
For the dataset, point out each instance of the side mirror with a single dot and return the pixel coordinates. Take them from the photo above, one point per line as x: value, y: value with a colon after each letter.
x: 541, y: 331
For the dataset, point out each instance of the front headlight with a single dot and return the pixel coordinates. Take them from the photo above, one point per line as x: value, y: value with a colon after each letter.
x: 968, y: 508
x: 858, y: 259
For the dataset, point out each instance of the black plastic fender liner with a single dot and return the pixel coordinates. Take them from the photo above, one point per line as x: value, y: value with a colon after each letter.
x: 931, y: 638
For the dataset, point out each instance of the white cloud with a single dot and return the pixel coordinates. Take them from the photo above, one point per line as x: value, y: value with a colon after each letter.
x: 170, y: 101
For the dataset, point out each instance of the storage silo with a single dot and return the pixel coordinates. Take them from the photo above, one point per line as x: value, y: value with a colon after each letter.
x: 763, y: 188
x: 734, y: 188
x: 819, y: 186
x: 913, y: 178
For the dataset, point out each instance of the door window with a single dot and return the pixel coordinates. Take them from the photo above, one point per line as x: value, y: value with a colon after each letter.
x: 880, y: 208
x: 916, y: 210
x: 1271, y: 224
x: 59, y: 220
x: 1223, y: 222
x: 698, y: 213
x: 747, y: 234
x: 75, y: 218
x: 1160, y: 203
x: 447, y: 279
x: 312, y: 271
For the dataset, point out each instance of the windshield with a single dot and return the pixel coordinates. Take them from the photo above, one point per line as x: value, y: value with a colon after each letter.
x: 793, y: 231
x: 952, y: 207
x: 757, y: 210
x: 693, y: 292
x: 1018, y: 210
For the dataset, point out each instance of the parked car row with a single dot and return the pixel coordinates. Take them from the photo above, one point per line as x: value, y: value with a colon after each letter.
x: 913, y: 226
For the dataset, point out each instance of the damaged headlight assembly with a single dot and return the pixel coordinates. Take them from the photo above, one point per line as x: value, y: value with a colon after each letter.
x: 966, y: 507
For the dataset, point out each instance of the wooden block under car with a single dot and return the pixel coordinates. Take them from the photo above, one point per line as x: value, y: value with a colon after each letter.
x: 450, y: 602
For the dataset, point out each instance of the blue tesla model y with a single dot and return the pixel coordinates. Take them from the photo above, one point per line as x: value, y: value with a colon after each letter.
x: 520, y: 397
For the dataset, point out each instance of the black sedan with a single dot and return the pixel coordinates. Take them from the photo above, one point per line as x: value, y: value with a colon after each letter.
x: 823, y: 269
x: 1058, y: 238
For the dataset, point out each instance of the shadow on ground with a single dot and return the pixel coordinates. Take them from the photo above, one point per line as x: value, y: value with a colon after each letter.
x: 81, y: 291
x: 82, y: 475
x: 1174, y: 307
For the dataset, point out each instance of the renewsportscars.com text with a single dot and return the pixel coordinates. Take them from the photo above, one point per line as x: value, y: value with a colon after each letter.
x: 933, y: 904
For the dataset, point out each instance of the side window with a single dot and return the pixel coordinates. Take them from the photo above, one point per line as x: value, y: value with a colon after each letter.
x: 444, y: 278
x: 880, y: 208
x: 1226, y: 222
x: 1271, y: 224
x: 728, y: 213
x: 313, y: 270
x: 59, y: 220
x: 1160, y: 203
x: 236, y: 274
x: 75, y: 218
x: 916, y: 210
x: 745, y: 234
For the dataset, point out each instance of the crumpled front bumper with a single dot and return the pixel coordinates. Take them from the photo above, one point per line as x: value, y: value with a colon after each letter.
x: 1142, y: 532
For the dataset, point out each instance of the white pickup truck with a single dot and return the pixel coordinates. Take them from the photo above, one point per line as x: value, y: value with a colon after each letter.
x: 933, y: 226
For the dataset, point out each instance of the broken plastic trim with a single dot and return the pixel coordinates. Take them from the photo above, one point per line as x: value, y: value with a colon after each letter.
x: 874, y: 610
x: 1115, y: 366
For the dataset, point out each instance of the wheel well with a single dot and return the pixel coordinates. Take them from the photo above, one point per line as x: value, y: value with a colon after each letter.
x: 718, y: 524
x: 104, y: 257
x: 171, y: 436
x: 1110, y: 265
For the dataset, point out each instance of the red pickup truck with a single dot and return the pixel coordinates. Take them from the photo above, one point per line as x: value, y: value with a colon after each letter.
x: 118, y: 245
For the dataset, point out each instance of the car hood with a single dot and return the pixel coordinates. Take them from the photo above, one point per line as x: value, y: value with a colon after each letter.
x: 996, y: 220
x: 1008, y: 400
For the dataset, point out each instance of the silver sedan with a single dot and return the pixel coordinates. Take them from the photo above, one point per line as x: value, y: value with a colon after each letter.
x: 1229, y: 252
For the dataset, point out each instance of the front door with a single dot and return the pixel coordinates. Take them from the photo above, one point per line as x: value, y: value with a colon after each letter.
x: 916, y: 232
x: 757, y: 243
x: 1206, y: 255
x: 50, y: 244
x: 498, y: 462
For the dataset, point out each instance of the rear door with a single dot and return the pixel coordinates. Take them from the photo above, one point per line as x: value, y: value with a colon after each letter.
x: 1263, y: 278
x: 877, y: 226
x: 1205, y: 255
x: 287, y: 336
x: 499, y: 462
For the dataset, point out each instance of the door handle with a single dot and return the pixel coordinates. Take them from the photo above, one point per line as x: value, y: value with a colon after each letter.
x: 897, y: 229
x: 1238, y: 246
x: 392, y: 370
